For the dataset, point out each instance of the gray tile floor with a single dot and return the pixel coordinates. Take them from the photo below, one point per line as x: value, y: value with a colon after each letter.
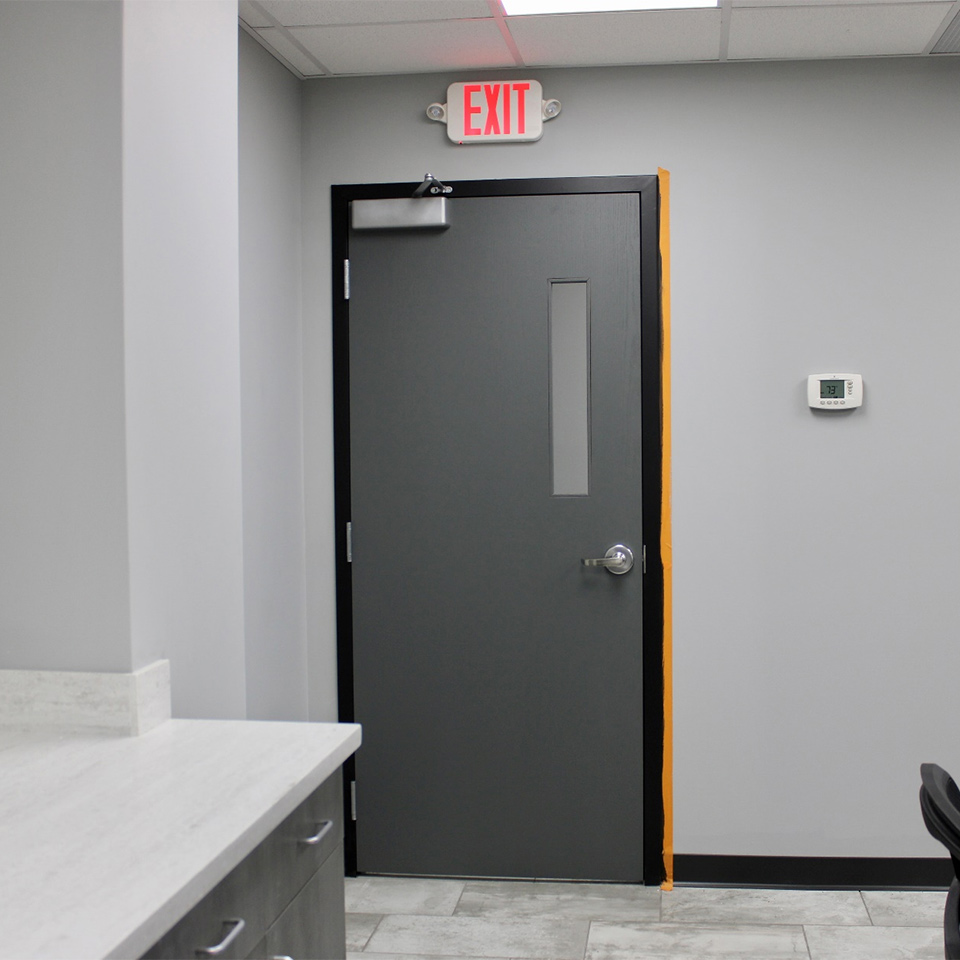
x: 407, y: 919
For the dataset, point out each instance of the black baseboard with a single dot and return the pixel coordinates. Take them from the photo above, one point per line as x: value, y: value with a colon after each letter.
x: 859, y: 873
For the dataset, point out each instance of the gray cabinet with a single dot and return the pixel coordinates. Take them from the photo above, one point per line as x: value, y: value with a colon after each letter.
x: 284, y: 899
x: 314, y: 924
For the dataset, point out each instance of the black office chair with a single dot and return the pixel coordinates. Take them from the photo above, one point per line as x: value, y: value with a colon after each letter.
x: 940, y: 806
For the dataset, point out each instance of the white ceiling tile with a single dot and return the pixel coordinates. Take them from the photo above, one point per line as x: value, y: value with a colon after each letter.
x: 408, y: 47
x: 823, y: 3
x: 817, y: 31
x: 290, y: 52
x: 574, y: 40
x: 337, y: 12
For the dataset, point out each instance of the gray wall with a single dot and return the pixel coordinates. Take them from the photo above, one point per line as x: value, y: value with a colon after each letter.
x: 814, y: 228
x: 271, y: 380
x: 63, y: 514
x: 120, y: 480
x: 182, y: 343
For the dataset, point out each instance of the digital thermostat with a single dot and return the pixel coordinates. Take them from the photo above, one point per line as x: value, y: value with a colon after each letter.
x: 834, y: 391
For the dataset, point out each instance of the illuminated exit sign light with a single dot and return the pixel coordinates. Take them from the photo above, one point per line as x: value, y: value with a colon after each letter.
x: 494, y: 111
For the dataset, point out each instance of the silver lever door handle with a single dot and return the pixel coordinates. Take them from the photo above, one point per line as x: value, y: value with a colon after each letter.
x: 618, y: 559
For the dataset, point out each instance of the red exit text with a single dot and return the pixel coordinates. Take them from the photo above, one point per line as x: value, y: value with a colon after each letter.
x: 497, y: 110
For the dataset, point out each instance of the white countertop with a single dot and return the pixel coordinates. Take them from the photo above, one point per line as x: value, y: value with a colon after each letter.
x: 106, y: 841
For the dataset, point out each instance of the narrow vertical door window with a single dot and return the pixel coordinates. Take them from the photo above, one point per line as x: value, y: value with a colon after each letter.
x: 570, y: 387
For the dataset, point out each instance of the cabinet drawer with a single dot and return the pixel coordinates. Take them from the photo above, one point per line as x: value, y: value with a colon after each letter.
x: 261, y: 886
x: 206, y: 925
x: 302, y: 842
x: 313, y: 927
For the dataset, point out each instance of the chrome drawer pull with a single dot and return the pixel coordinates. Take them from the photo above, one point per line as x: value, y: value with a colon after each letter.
x: 238, y: 926
x: 325, y: 827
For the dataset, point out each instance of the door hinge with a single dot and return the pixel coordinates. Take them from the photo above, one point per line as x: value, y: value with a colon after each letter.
x: 353, y: 799
x: 346, y: 279
x: 643, y: 559
x: 349, y: 542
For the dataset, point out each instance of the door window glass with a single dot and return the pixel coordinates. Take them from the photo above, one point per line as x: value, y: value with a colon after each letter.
x: 570, y: 387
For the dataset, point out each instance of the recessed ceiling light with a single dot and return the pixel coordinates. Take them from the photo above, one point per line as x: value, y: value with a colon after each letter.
x: 522, y: 8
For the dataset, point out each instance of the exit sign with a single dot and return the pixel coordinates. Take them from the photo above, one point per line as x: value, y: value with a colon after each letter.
x: 494, y: 111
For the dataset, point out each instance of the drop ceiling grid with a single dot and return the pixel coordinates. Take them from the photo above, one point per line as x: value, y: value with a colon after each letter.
x: 427, y: 36
x: 278, y: 39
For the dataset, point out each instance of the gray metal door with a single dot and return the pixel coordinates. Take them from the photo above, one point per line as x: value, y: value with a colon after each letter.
x: 494, y: 444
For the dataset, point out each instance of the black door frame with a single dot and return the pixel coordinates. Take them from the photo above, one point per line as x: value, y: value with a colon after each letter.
x: 651, y: 328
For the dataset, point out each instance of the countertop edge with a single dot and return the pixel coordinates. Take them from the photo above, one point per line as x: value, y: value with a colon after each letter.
x: 148, y: 932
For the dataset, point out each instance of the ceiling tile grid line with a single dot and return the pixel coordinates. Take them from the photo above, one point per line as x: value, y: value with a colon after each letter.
x: 726, y: 9
x: 291, y: 51
x: 947, y: 38
x: 254, y: 35
x: 288, y: 37
x: 330, y: 13
x: 504, y: 28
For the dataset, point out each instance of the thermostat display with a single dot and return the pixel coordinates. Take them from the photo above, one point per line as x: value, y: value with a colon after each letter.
x: 834, y: 391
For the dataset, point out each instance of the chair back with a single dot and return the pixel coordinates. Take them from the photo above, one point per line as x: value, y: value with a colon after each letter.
x: 940, y: 806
